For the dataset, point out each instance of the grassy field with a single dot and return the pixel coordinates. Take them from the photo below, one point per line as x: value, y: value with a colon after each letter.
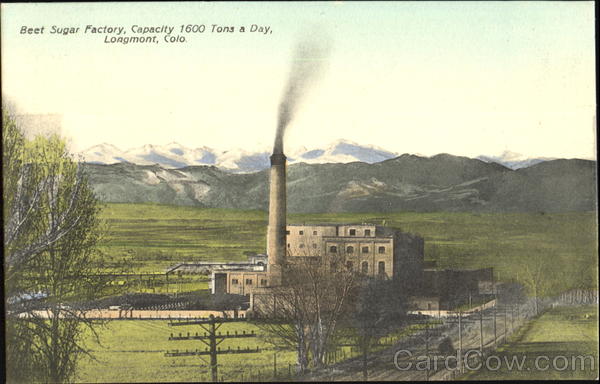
x: 133, y: 351
x: 152, y: 237
x: 562, y: 331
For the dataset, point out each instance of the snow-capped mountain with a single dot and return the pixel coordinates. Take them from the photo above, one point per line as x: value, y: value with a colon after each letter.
x: 513, y: 160
x: 175, y: 155
x: 344, y: 151
x: 103, y: 154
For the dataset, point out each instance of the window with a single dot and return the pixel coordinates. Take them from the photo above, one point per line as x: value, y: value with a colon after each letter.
x: 248, y: 281
x: 234, y: 281
x: 287, y: 232
x: 350, y: 249
x: 381, y: 267
x: 333, y: 249
x: 381, y: 249
x: 367, y: 232
x: 349, y: 265
x: 263, y: 281
x: 301, y: 246
x: 302, y: 232
x: 353, y: 232
x: 365, y: 267
x: 365, y: 249
x: 333, y: 266
x: 315, y: 233
x: 428, y: 305
x: 289, y: 245
x: 314, y: 245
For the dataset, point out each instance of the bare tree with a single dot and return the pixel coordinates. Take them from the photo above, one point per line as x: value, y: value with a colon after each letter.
x: 305, y: 311
x: 537, y: 277
x: 379, y: 308
x: 52, y: 264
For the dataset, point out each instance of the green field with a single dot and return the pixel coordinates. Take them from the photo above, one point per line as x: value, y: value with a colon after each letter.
x: 562, y: 331
x: 153, y: 237
x: 133, y: 351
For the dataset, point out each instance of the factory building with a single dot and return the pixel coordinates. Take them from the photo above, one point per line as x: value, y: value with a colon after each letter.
x: 372, y: 250
x: 369, y: 249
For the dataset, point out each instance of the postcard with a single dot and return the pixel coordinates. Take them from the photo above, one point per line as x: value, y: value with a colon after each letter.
x: 319, y: 191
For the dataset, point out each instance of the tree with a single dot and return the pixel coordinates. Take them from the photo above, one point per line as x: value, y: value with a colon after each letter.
x: 537, y: 277
x: 304, y: 312
x: 379, y: 308
x: 51, y: 233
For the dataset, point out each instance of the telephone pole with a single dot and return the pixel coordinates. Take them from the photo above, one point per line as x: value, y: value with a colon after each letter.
x: 481, y: 331
x: 211, y: 339
x: 427, y: 350
x: 495, y: 333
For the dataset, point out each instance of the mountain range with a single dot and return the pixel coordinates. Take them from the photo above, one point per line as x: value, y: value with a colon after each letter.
x: 174, y: 155
x: 401, y: 183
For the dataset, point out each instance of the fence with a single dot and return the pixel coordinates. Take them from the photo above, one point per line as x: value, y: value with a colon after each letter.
x: 123, y: 314
x: 578, y: 297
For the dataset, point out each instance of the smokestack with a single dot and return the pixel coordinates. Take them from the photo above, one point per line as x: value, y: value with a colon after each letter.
x: 276, y: 234
x: 306, y: 66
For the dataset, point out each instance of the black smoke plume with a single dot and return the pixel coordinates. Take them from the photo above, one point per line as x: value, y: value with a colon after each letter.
x: 308, y: 61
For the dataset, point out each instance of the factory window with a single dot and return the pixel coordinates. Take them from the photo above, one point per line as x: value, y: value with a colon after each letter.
x: 349, y: 265
x: 381, y: 267
x: 302, y: 232
x: 365, y: 249
x: 365, y: 267
x: 234, y: 281
x: 263, y: 281
x: 301, y: 246
x: 367, y: 232
x: 381, y: 249
x: 333, y: 249
x: 315, y: 233
x: 248, y: 281
x: 350, y: 249
x: 353, y: 232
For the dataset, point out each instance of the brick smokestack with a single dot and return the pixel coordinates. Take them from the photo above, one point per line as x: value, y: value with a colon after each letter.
x: 276, y: 233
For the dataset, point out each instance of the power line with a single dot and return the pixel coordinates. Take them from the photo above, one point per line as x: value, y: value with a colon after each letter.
x: 211, y: 339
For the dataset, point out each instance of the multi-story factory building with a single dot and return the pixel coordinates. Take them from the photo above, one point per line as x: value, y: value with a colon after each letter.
x: 369, y: 249
x: 372, y: 250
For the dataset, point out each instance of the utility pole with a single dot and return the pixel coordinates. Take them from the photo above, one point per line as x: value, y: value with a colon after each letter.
x: 495, y: 291
x: 512, y: 318
x: 211, y: 340
x: 505, y: 320
x: 427, y: 350
x: 460, y: 346
x: 495, y: 334
x: 481, y: 331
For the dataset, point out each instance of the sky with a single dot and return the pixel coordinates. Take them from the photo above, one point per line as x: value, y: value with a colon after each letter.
x: 461, y: 78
